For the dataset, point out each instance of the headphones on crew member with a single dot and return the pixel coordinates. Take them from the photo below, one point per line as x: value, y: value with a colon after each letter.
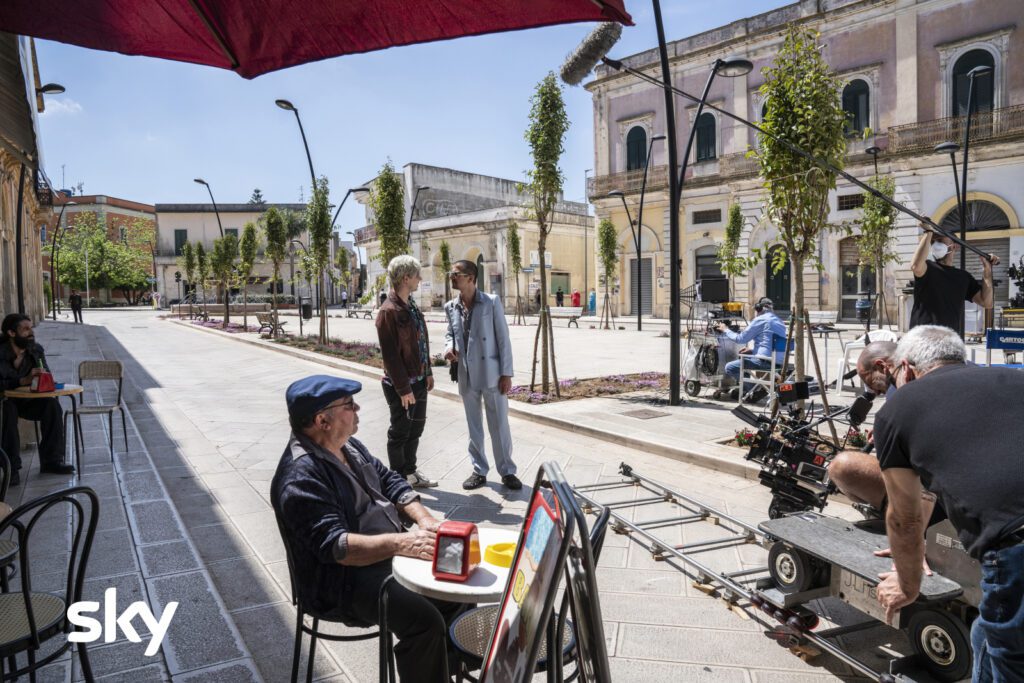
x: 764, y: 303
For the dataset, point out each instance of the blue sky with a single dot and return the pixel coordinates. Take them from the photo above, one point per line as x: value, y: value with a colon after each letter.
x: 141, y: 128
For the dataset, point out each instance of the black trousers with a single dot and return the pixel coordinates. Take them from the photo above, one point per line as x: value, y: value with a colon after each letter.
x: 405, y: 431
x: 419, y: 623
x: 78, y: 313
x: 49, y: 414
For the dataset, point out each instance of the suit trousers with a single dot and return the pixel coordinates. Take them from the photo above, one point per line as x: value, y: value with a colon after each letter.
x: 50, y: 416
x: 495, y: 404
x: 406, y: 427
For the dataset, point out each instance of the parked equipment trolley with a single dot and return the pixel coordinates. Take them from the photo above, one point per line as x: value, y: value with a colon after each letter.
x: 707, y: 352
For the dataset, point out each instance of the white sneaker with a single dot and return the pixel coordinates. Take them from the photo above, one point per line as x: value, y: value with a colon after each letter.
x: 418, y: 481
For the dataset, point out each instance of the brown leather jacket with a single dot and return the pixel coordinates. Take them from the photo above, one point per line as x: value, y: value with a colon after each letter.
x: 399, y: 344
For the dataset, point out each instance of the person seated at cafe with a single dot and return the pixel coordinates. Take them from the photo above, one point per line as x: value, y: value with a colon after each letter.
x: 21, y: 360
x: 342, y: 511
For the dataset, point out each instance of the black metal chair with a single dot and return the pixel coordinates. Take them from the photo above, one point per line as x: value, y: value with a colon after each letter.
x: 470, y: 632
x: 387, y: 655
x: 8, y: 547
x: 102, y: 370
x: 30, y: 618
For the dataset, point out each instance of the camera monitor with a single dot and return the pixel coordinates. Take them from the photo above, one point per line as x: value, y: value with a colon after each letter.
x: 714, y: 290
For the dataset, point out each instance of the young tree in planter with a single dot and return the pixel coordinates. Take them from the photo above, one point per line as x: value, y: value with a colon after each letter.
x: 202, y: 273
x: 247, y: 248
x: 446, y: 266
x: 276, y: 232
x: 607, y: 252
x: 802, y: 107
x: 515, y: 256
x: 546, y: 136
x: 222, y: 265
x: 877, y: 235
x: 728, y: 252
x: 318, y: 223
x: 387, y: 202
x: 187, y: 262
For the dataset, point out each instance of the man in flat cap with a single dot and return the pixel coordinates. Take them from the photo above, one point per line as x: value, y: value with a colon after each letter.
x: 341, y: 511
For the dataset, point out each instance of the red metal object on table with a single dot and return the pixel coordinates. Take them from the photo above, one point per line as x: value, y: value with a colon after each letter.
x: 456, y: 551
x: 43, y: 382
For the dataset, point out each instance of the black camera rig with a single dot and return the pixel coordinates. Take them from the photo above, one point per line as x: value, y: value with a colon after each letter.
x: 793, y: 456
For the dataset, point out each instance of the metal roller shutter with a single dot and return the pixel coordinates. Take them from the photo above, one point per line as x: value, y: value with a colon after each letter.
x: 645, y: 286
x: 1001, y: 281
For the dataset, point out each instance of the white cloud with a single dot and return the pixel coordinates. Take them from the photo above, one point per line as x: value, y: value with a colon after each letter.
x: 151, y: 138
x: 61, y: 107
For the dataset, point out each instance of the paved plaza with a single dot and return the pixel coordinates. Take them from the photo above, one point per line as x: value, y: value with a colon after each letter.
x: 186, y: 514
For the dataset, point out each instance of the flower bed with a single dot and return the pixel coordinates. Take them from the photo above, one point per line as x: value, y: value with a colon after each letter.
x: 592, y: 387
x: 232, y: 328
x: 357, y: 352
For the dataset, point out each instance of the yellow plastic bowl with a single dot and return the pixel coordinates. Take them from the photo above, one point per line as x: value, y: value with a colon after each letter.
x: 500, y: 554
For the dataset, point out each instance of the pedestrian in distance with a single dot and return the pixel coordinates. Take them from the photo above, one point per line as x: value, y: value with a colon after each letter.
x: 575, y: 298
x: 593, y: 301
x: 559, y: 297
x: 478, y: 339
x: 344, y: 298
x: 76, y: 305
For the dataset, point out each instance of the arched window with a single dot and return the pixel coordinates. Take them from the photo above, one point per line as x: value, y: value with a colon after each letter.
x: 984, y: 91
x: 856, y: 101
x: 706, y: 147
x: 636, y: 148
x: 706, y: 263
x: 981, y: 215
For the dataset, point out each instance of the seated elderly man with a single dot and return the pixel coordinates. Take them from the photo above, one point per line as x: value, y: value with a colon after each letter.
x: 762, y: 330
x: 341, y: 510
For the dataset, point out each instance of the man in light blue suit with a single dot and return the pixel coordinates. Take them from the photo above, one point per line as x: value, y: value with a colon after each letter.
x: 477, y: 339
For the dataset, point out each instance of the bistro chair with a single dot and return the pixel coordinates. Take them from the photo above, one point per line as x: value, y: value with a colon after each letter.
x: 387, y: 657
x: 470, y: 632
x: 28, y: 618
x: 8, y: 547
x: 768, y: 377
x: 102, y: 370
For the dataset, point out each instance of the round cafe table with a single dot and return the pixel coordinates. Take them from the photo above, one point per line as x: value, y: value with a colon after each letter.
x: 66, y: 390
x: 485, y: 584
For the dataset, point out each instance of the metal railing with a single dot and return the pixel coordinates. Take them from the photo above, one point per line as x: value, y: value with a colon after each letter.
x: 629, y: 182
x: 989, y: 125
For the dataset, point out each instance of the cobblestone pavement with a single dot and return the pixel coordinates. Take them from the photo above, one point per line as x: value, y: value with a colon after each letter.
x: 186, y: 517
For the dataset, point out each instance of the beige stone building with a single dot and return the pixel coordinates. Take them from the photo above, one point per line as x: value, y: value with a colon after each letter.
x: 901, y: 66
x: 473, y: 213
x: 26, y: 197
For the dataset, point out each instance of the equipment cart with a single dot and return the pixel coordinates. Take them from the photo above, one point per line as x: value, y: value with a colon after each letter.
x: 706, y: 352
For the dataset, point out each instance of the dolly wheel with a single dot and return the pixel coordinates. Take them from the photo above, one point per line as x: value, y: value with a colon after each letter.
x: 789, y: 568
x: 692, y: 387
x: 943, y: 642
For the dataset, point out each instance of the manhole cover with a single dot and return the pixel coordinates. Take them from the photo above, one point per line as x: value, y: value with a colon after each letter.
x: 645, y: 414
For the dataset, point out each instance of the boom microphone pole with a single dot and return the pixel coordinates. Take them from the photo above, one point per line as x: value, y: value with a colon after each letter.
x: 931, y: 225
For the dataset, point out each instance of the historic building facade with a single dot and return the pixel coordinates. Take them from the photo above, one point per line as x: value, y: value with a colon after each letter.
x: 901, y: 66
x: 473, y: 214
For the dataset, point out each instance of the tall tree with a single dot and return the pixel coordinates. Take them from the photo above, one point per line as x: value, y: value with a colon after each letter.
x: 387, y: 201
x: 247, y: 250
x: 318, y: 223
x: 877, y: 235
x: 187, y: 262
x: 546, y: 137
x: 607, y: 253
x: 277, y: 251
x: 222, y: 265
x: 202, y: 273
x: 257, y: 198
x: 446, y: 266
x: 515, y: 257
x: 729, y: 258
x: 802, y: 107
x: 123, y: 265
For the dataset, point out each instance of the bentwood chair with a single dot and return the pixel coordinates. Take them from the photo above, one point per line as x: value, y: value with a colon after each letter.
x: 387, y: 657
x: 470, y: 632
x: 8, y: 547
x: 103, y: 370
x: 29, y: 618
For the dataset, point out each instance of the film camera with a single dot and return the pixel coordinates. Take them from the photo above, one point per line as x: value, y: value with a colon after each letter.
x: 793, y: 456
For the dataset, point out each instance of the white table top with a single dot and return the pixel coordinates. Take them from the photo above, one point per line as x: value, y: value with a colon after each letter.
x: 485, y: 584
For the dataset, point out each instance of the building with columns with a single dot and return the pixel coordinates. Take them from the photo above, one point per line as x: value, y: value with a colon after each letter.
x: 901, y: 66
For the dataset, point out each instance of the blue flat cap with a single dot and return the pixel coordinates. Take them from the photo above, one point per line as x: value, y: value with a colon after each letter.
x: 310, y: 395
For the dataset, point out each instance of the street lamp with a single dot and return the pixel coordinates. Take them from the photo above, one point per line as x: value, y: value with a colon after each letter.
x: 636, y: 242
x: 412, y: 210
x: 50, y: 89
x: 974, y: 73
x: 951, y: 148
x: 203, y: 182
x: 586, y: 261
x: 873, y: 151
x: 53, y: 260
x: 309, y: 283
x: 338, y: 211
x: 288, y: 106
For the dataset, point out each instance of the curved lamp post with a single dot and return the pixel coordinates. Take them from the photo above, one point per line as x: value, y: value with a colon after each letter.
x: 974, y: 73
x: 636, y: 242
x: 334, y: 220
x: 951, y: 148
x: 640, y: 221
x: 874, y: 151
x: 53, y: 259
x: 215, y: 210
x: 412, y: 212
x: 288, y: 106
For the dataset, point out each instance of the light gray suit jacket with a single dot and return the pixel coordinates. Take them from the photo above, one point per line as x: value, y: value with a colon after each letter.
x: 488, y: 356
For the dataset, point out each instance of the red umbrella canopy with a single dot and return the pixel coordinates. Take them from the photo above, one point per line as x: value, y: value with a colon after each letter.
x: 253, y: 37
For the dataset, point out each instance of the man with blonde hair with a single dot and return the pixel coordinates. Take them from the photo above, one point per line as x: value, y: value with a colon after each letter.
x: 405, y: 351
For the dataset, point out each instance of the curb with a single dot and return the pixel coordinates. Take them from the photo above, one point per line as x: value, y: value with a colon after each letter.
x: 738, y: 467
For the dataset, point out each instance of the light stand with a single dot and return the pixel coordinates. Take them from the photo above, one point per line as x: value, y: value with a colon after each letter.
x: 873, y: 151
x: 288, y: 106
x: 215, y: 210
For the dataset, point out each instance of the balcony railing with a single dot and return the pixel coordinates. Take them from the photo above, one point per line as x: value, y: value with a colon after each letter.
x: 367, y: 233
x: 629, y: 182
x: 991, y: 125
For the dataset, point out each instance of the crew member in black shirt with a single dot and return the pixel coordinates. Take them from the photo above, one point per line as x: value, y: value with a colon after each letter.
x: 958, y: 430
x: 940, y: 288
x: 341, y: 511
